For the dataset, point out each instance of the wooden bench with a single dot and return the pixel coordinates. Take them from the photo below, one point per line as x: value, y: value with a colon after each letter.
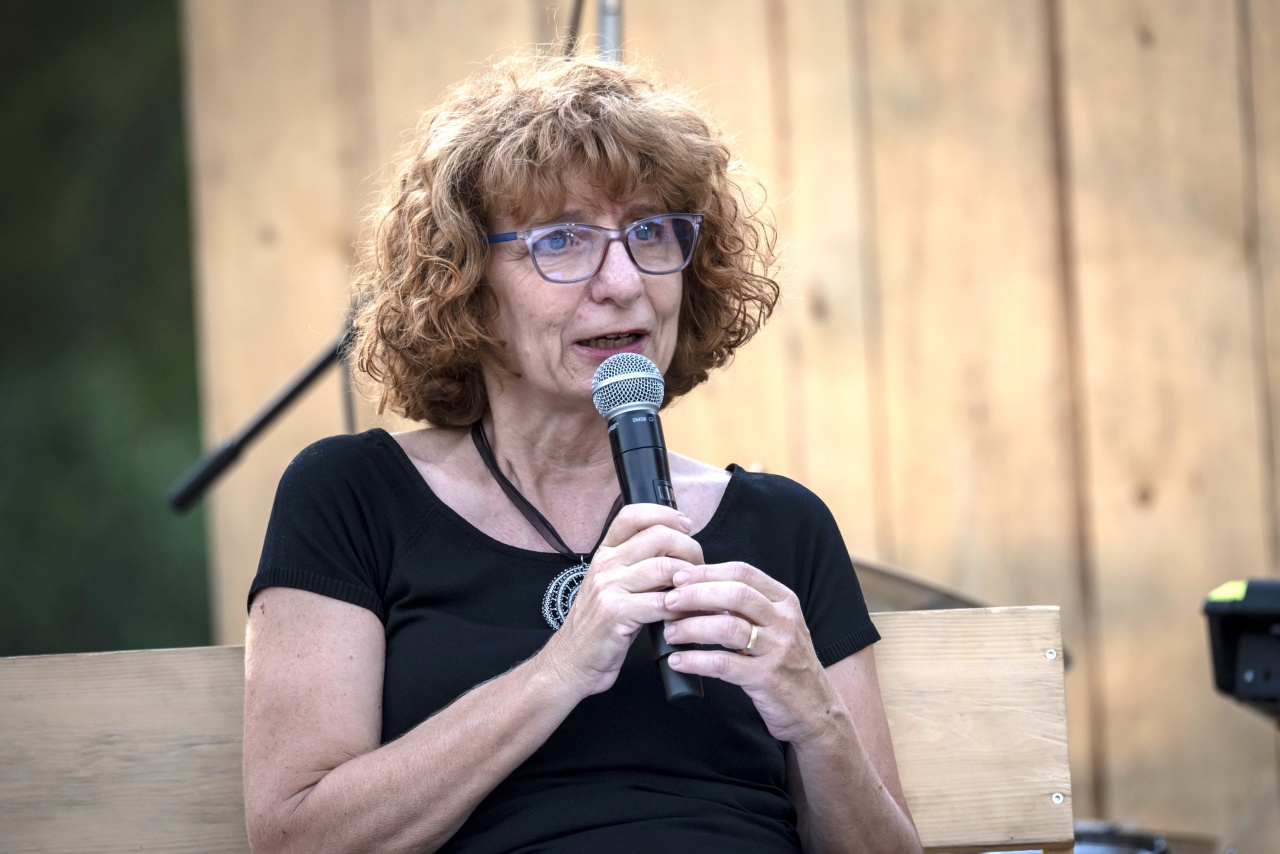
x: 140, y: 751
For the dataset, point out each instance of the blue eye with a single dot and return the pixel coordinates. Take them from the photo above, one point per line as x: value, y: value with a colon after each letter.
x: 648, y: 231
x: 556, y: 241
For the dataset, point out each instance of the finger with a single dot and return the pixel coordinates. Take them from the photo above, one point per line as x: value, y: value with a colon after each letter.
x: 734, y: 596
x: 743, y: 573
x: 636, y: 517
x: 727, y: 630
x: 714, y: 663
x: 652, y: 574
x: 657, y: 541
x: 618, y: 607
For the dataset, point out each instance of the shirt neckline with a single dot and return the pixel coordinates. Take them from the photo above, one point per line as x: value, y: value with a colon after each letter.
x: 411, y: 471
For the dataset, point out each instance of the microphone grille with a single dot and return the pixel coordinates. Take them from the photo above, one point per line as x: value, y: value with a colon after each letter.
x: 626, y: 379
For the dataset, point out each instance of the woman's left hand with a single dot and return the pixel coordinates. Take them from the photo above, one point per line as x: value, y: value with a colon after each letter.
x: 781, y: 673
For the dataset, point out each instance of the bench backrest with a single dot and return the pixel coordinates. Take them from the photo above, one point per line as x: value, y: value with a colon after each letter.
x: 130, y: 751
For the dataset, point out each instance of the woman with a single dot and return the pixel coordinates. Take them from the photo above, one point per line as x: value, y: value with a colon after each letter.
x: 410, y: 684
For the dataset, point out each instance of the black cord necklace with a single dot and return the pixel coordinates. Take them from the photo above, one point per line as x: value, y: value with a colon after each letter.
x: 563, y: 589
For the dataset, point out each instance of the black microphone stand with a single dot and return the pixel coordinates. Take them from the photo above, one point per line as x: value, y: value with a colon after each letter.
x: 187, y: 489
x: 570, y: 46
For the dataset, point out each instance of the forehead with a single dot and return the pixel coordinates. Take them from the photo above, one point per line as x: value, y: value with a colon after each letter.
x: 579, y: 200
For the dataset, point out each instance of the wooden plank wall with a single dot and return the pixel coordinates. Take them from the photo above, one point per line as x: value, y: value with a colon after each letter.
x: 274, y: 173
x: 1178, y: 488
x: 971, y: 311
x: 1030, y: 343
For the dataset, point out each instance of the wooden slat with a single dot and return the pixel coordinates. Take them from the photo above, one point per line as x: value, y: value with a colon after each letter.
x: 1261, y: 35
x: 122, y: 751
x: 271, y: 108
x: 981, y: 483
x: 977, y: 712
x: 420, y: 48
x: 1262, y: 19
x: 140, y: 750
x: 823, y: 218
x: 293, y: 108
x: 1176, y: 482
x: 741, y: 414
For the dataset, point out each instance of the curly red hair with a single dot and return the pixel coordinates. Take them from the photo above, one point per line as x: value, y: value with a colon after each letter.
x: 505, y: 141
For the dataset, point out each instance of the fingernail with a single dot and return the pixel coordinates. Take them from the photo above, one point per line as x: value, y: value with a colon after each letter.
x: 673, y: 596
x: 681, y: 577
x: 686, y: 523
x: 674, y: 659
x: 668, y: 633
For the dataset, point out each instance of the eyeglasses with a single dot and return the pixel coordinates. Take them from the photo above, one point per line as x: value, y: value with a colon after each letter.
x: 570, y: 252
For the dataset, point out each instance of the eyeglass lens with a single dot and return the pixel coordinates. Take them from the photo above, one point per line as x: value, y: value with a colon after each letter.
x: 660, y: 244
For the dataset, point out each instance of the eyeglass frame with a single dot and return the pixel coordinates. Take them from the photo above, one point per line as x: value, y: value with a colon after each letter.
x: 611, y: 234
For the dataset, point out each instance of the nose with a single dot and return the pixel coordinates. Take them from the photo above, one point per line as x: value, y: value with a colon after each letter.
x: 618, y: 279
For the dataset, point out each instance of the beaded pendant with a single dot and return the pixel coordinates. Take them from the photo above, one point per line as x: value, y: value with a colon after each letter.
x: 561, y: 593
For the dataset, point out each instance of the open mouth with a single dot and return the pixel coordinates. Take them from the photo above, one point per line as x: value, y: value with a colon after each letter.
x: 610, y: 342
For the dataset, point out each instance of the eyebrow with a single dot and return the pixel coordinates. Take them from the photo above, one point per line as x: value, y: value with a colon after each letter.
x: 630, y: 214
x: 570, y: 215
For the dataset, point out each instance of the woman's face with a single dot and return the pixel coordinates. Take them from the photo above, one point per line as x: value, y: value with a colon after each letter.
x: 558, y: 334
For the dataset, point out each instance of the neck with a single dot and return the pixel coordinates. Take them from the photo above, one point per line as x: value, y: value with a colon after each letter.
x: 554, y: 456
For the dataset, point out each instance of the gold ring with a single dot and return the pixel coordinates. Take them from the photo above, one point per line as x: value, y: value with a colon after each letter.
x: 751, y: 641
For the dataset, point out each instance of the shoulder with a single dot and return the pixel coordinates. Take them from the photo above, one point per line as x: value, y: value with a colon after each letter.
x: 704, y: 490
x: 367, y: 470
x: 341, y: 457
x: 343, y: 447
x: 787, y: 508
x: 780, y: 493
x: 352, y: 496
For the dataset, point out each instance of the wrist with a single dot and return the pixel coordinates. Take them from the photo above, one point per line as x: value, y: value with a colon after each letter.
x: 553, y: 670
x: 829, y: 728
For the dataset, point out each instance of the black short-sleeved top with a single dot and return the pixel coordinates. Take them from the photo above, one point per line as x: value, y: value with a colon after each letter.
x: 626, y: 771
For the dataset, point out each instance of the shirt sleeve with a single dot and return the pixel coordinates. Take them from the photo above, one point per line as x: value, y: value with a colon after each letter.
x: 822, y: 574
x: 321, y: 534
x: 834, y: 606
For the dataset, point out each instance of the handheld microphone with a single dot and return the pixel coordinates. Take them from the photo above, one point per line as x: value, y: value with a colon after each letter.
x: 627, y: 390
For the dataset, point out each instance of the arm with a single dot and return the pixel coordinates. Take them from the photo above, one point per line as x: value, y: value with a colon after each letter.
x: 845, y: 783
x: 840, y: 757
x: 316, y: 778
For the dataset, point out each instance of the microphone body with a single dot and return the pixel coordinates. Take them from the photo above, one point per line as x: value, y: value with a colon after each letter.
x: 640, y: 459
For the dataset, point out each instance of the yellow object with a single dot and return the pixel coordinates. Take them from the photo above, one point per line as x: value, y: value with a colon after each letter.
x: 1232, y: 591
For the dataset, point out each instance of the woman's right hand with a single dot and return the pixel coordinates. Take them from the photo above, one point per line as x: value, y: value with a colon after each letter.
x: 623, y: 590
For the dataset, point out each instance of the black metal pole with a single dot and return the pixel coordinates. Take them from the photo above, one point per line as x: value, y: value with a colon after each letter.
x: 575, y: 28
x: 187, y: 489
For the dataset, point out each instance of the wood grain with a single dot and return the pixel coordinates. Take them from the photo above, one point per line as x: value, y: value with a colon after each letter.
x: 981, y: 487
x: 826, y: 236
x: 122, y: 751
x: 741, y: 414
x: 977, y: 711
x: 130, y: 751
x: 1173, y: 418
x: 1261, y: 20
x: 271, y: 157
x: 293, y: 106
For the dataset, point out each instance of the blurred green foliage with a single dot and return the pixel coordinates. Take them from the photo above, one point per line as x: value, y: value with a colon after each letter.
x: 98, y: 405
